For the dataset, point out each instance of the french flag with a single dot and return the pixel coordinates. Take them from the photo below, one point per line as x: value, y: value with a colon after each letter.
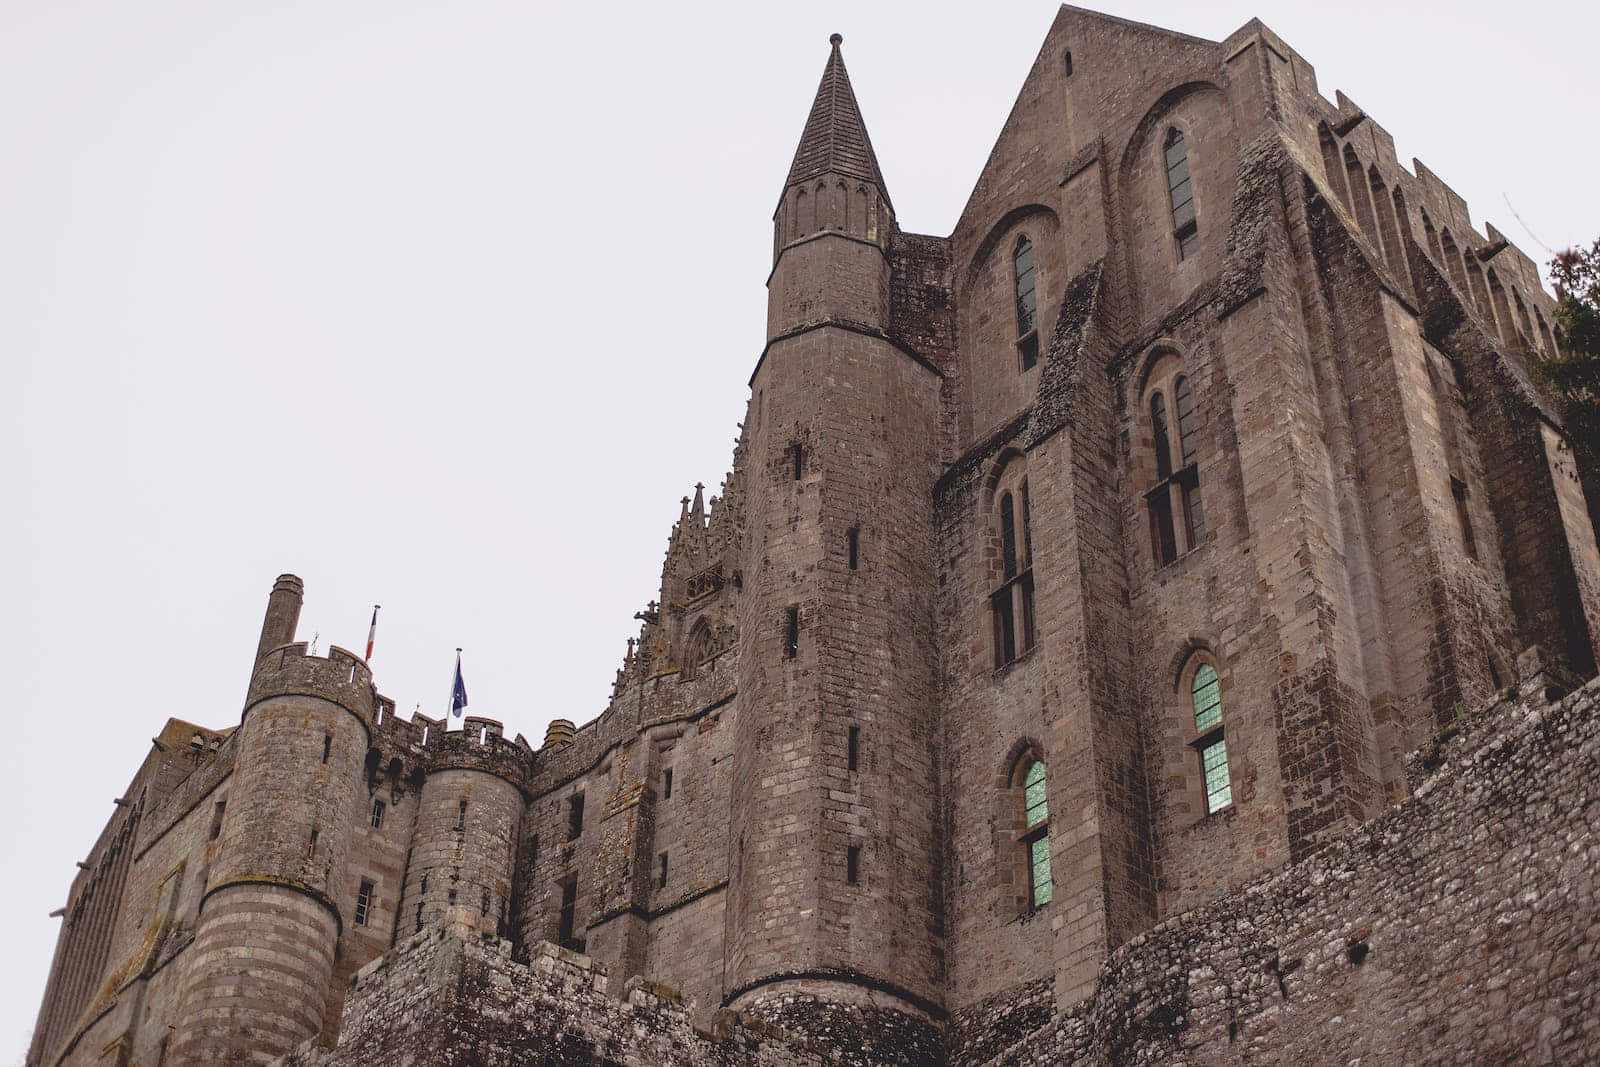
x: 372, y: 632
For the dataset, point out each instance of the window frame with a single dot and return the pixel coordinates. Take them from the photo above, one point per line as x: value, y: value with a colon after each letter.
x: 1185, y: 233
x: 1027, y: 343
x: 1011, y: 603
x: 1029, y: 836
x: 1204, y: 738
x: 1173, y: 502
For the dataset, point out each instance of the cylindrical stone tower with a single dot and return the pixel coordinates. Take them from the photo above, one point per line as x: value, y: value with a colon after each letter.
x: 258, y: 972
x: 463, y: 850
x: 835, y: 868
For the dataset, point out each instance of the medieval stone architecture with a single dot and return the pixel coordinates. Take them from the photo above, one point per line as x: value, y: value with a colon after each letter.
x: 1069, y: 670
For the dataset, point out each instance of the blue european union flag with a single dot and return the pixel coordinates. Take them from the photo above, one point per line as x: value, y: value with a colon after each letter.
x: 458, y: 695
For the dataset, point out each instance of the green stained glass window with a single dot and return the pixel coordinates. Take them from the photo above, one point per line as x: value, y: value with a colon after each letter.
x: 1214, y: 764
x: 1033, y: 797
x: 1207, y: 698
x: 1039, y: 863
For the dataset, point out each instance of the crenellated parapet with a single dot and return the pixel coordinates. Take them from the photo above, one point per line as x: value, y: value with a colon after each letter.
x: 481, y: 745
x: 290, y: 671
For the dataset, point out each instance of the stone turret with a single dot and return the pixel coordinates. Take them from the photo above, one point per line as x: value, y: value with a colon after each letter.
x: 834, y: 774
x: 463, y: 851
x: 259, y: 970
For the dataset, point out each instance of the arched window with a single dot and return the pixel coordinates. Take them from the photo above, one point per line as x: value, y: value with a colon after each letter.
x: 1174, y: 500
x: 696, y: 650
x: 1034, y: 838
x: 1185, y: 227
x: 1205, y: 696
x: 1027, y: 303
x: 1011, y: 605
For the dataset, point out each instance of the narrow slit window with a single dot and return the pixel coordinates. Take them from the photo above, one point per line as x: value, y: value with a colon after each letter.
x: 854, y: 538
x: 450, y: 899
x: 311, y: 846
x: 419, y: 915
x: 853, y: 748
x: 666, y: 784
x: 1027, y: 299
x: 852, y: 864
x: 1206, y: 698
x: 791, y: 640
x: 377, y: 814
x: 461, y: 815
x: 575, y: 817
x: 1185, y: 226
x: 1035, y: 839
x: 1458, y: 490
x: 567, y: 919
x: 483, y: 906
x: 1008, y: 536
x: 661, y: 874
x: 798, y: 453
x: 216, y: 818
x: 363, y: 903
x: 327, y: 746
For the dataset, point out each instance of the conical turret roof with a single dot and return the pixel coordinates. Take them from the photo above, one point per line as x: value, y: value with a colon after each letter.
x: 835, y: 139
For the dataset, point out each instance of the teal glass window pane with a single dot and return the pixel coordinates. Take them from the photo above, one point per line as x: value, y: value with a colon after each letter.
x: 1207, y: 698
x: 1214, y: 764
x: 1033, y: 794
x: 1039, y: 860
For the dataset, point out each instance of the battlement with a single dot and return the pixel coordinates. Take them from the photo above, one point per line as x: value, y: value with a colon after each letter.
x: 340, y: 678
x: 481, y: 745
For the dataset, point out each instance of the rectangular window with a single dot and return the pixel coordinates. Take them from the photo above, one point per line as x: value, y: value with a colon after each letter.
x: 216, y: 819
x: 574, y: 816
x: 377, y: 815
x: 1214, y: 767
x: 855, y: 542
x: 666, y: 784
x: 852, y: 864
x: 1005, y: 634
x: 1028, y: 351
x: 853, y: 747
x: 363, y: 903
x: 661, y: 882
x: 799, y: 453
x: 327, y: 746
x: 1041, y: 887
x: 791, y: 642
x: 1194, y: 522
x: 1163, y: 538
x: 568, y: 916
x: 1458, y: 489
x: 311, y: 848
x: 461, y: 816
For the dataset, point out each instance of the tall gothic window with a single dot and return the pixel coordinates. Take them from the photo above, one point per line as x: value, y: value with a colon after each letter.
x: 1185, y: 228
x: 1027, y: 303
x: 1035, y: 839
x: 1177, y: 519
x: 1205, y: 695
x: 1011, y: 605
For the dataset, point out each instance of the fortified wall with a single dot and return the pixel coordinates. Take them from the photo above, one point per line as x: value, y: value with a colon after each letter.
x: 1458, y: 927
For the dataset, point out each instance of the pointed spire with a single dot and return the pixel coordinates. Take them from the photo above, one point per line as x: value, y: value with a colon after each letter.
x: 835, y: 139
x: 697, y: 511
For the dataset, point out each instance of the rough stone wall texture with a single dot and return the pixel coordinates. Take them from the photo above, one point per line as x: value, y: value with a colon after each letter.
x: 1353, y: 348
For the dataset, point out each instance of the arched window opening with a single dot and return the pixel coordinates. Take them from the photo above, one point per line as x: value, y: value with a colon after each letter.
x: 1453, y: 263
x: 1034, y: 838
x: 1185, y: 226
x: 1360, y: 197
x: 1524, y: 323
x: 1545, y: 336
x: 1205, y: 694
x: 1502, y: 311
x: 1388, y: 228
x: 696, y: 650
x: 1480, y: 292
x: 1433, y: 239
x: 1174, y: 501
x: 1027, y: 303
x: 1011, y: 605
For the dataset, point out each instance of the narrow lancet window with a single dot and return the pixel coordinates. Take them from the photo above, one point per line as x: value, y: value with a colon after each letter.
x: 1174, y: 500
x: 1206, y: 697
x: 1027, y: 303
x: 1036, y: 836
x: 1011, y: 605
x: 1185, y: 226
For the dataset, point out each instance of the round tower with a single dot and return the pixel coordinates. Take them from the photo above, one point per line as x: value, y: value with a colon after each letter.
x: 834, y: 868
x: 463, y: 849
x: 259, y: 970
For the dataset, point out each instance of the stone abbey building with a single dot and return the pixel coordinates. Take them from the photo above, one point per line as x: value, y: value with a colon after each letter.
x: 1042, y: 686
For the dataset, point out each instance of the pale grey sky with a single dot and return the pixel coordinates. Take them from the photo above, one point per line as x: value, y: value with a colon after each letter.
x: 444, y: 306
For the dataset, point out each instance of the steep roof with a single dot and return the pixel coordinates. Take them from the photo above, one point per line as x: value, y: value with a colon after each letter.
x: 835, y: 139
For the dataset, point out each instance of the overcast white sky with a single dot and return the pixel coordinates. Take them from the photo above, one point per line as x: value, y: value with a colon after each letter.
x: 444, y: 306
